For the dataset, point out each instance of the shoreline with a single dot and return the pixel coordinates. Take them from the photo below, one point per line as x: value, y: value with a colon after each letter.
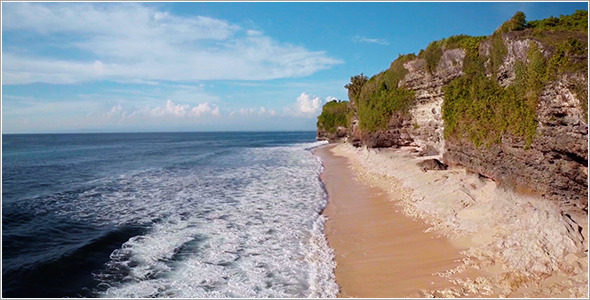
x: 361, y: 221
x: 495, y: 243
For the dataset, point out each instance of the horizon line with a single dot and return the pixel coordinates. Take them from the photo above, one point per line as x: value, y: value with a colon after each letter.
x: 128, y: 132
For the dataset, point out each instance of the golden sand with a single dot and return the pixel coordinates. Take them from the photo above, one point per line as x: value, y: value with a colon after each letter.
x: 379, y: 251
x: 394, y: 229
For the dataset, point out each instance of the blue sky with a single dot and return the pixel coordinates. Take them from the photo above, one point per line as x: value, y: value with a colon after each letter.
x: 116, y: 67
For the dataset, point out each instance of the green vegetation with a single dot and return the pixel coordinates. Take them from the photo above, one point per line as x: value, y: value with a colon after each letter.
x: 497, y: 53
x: 517, y: 22
x: 467, y: 42
x: 476, y: 107
x: 479, y: 109
x: 355, y: 86
x: 380, y: 96
x: 432, y: 55
x: 581, y: 91
x: 334, y: 114
x: 434, y: 50
x: 577, y: 21
x: 562, y: 61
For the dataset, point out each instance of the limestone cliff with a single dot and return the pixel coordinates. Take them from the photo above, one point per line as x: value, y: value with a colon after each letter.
x: 547, y: 155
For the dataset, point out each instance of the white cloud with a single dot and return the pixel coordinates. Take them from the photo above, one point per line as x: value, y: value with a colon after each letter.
x: 205, y: 108
x: 169, y: 111
x: 136, y: 42
x: 308, y: 104
x: 262, y: 111
x: 330, y: 98
x: 251, y: 32
x: 362, y: 39
x: 116, y: 112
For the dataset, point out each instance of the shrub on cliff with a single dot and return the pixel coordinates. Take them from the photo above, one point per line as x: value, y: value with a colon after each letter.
x: 517, y: 22
x: 334, y: 114
x: 355, y: 86
x: 469, y: 43
x: 432, y: 55
x: 381, y: 96
x: 477, y: 108
x: 577, y: 21
x: 434, y: 50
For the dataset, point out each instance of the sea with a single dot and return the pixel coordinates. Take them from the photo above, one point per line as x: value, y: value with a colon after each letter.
x: 185, y: 215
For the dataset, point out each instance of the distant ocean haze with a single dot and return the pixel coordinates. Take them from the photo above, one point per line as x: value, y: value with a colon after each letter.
x: 164, y: 215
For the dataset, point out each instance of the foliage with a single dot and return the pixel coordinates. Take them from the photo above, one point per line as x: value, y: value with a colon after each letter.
x: 562, y: 61
x: 467, y: 42
x: 334, y: 114
x: 498, y: 51
x: 581, y: 91
x: 577, y: 21
x: 476, y: 107
x: 479, y: 109
x: 517, y: 22
x: 434, y: 50
x: 381, y: 96
x: 379, y: 106
x: 355, y: 86
x: 432, y: 55
x: 571, y: 56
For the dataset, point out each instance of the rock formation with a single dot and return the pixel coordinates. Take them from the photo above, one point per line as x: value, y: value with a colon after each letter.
x: 554, y: 164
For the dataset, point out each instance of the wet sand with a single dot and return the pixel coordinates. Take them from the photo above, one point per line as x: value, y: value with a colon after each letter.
x: 379, y: 252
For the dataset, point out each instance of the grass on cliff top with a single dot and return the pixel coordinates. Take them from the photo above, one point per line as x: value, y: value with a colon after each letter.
x: 552, y: 32
x: 334, y: 114
x: 381, y: 96
x: 434, y: 50
x: 578, y: 21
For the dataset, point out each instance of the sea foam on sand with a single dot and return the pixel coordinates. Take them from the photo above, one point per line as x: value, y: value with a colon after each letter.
x: 526, y: 244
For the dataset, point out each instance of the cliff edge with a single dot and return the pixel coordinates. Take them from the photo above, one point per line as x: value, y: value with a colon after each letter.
x: 511, y: 106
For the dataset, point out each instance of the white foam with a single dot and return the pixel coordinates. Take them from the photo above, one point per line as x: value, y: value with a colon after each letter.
x: 250, y: 231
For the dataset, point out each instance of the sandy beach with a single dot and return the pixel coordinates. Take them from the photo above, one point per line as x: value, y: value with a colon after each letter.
x: 397, y: 231
x: 379, y: 251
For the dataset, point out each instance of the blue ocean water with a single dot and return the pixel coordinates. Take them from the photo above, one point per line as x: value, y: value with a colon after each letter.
x: 164, y: 215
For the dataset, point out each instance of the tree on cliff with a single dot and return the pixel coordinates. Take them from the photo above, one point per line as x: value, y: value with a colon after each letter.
x: 355, y: 85
x: 517, y: 22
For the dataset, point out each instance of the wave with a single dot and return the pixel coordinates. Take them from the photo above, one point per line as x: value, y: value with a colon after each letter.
x: 247, y: 229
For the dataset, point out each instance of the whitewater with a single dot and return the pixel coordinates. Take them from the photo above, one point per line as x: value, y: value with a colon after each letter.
x: 234, y: 215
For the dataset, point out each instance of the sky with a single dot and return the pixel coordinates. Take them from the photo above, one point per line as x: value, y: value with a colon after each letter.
x: 141, y: 67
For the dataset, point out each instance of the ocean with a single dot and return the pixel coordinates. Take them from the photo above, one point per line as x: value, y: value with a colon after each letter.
x: 164, y: 215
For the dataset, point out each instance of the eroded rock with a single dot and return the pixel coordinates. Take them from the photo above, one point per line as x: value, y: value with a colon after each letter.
x: 432, y: 164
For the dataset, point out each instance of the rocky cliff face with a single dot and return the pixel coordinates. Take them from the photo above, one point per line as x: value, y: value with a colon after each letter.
x: 554, y: 165
x: 339, y: 135
x: 423, y: 126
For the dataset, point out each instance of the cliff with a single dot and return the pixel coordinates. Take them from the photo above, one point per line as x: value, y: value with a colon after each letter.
x: 511, y: 106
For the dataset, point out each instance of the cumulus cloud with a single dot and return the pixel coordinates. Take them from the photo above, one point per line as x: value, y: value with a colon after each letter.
x: 330, y: 98
x: 170, y: 110
x: 131, y: 41
x: 262, y: 111
x: 116, y: 112
x: 362, y: 39
x: 205, y: 108
x: 308, y: 104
